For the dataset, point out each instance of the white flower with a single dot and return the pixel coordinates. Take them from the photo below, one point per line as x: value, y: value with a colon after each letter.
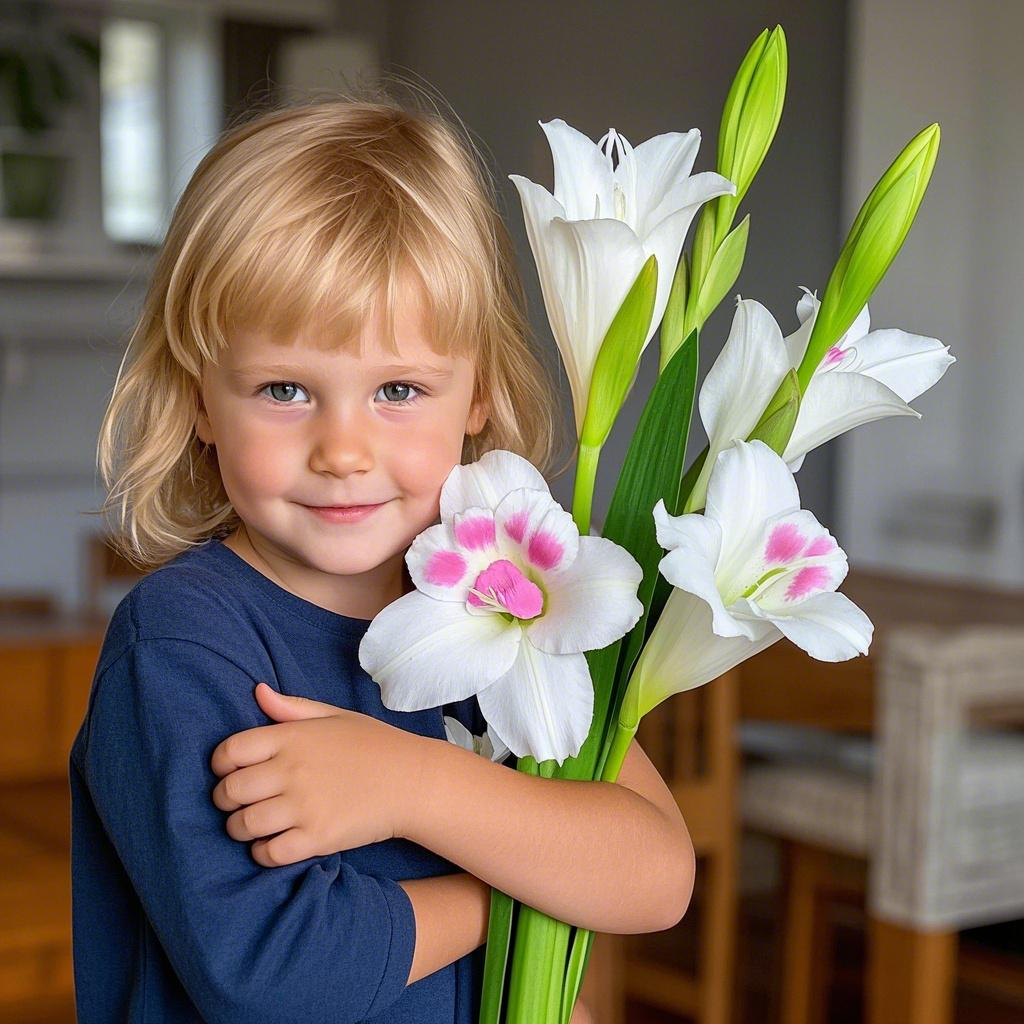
x: 592, y: 236
x: 509, y: 596
x: 755, y: 567
x: 863, y: 377
x: 488, y: 745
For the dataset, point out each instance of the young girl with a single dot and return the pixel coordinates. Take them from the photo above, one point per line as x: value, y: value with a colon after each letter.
x: 333, y: 324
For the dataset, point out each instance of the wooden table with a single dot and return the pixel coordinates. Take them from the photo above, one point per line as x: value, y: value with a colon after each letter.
x: 784, y: 684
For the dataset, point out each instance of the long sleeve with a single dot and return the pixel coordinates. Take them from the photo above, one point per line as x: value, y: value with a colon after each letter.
x: 310, y: 942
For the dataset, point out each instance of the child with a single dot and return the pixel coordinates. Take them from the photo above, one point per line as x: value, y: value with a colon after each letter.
x: 334, y: 320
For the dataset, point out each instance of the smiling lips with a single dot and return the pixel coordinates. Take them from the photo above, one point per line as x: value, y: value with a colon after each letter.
x: 343, y: 513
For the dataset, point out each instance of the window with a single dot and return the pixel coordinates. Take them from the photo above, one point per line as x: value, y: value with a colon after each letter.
x: 133, y: 131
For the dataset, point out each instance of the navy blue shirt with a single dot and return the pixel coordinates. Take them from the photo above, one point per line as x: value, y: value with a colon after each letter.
x: 173, y: 920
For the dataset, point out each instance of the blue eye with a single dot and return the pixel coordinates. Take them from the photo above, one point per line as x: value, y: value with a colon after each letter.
x: 407, y: 387
x: 285, y: 392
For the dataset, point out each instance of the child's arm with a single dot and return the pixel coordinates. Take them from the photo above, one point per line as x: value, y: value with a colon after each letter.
x: 451, y: 919
x: 609, y: 857
x: 319, y: 942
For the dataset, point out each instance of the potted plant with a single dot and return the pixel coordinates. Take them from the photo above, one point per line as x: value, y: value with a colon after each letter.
x: 41, y: 69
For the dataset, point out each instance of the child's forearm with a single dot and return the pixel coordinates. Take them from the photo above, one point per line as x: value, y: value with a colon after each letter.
x: 451, y: 919
x: 593, y: 854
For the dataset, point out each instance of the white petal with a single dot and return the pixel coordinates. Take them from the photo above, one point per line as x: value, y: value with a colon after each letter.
x: 535, y: 531
x: 829, y: 627
x: 554, y: 255
x: 664, y: 233
x: 492, y: 746
x: 592, y: 603
x: 688, y: 572
x: 836, y: 402
x: 583, y: 175
x: 860, y: 326
x: 796, y: 343
x: 908, y: 364
x: 458, y: 734
x: 750, y: 485
x: 485, y: 482
x: 543, y: 706
x: 662, y: 162
x: 603, y: 259
x: 741, y: 382
x: 424, y: 653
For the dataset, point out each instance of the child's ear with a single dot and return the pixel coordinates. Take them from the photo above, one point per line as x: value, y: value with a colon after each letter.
x: 204, y: 431
x: 478, y: 414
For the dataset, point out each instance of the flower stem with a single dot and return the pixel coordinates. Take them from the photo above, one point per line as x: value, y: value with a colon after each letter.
x: 620, y: 745
x: 583, y: 489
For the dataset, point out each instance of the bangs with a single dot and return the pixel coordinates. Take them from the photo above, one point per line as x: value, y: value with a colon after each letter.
x: 323, y: 273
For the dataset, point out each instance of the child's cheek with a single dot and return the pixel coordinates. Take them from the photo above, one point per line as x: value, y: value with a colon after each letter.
x: 427, y: 459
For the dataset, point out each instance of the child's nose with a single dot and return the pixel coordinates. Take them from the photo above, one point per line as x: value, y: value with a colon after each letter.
x: 342, y: 447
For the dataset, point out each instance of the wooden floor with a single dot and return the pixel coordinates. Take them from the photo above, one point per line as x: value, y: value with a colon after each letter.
x: 35, y: 911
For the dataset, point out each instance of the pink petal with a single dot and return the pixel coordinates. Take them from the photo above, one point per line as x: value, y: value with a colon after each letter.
x: 510, y: 588
x: 445, y: 568
x: 475, y: 533
x: 806, y: 581
x: 785, y: 543
x: 545, y: 550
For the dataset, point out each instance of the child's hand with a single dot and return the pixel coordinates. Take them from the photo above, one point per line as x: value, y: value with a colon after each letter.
x: 326, y: 778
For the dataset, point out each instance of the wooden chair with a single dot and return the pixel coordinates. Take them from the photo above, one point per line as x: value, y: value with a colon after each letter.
x: 690, y: 739
x: 921, y: 826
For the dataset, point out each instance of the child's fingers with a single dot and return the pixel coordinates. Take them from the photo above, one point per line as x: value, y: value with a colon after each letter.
x: 287, y: 848
x: 266, y: 818
x: 284, y: 707
x: 247, y: 786
x: 243, y: 748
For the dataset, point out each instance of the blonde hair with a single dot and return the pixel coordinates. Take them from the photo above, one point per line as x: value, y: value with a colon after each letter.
x: 314, y: 214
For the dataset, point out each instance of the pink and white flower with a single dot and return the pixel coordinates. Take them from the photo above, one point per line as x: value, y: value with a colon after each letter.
x: 509, y: 596
x: 753, y: 568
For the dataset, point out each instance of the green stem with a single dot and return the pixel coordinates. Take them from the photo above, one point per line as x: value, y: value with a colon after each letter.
x: 533, y: 962
x: 617, y: 754
x: 583, y: 490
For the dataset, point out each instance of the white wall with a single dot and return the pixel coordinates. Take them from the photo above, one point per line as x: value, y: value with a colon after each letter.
x: 958, y: 278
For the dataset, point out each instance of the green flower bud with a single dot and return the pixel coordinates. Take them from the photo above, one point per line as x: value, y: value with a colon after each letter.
x: 876, y: 236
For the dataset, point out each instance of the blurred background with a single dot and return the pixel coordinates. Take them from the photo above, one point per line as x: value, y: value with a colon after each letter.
x: 858, y: 825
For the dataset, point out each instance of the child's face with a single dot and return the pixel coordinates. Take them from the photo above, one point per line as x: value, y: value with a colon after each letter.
x: 295, y: 427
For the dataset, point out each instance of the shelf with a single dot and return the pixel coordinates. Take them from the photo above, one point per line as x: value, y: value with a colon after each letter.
x: 69, y: 266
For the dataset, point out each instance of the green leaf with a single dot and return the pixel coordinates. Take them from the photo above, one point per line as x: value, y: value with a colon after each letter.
x: 650, y: 472
x: 723, y: 272
x: 617, y: 359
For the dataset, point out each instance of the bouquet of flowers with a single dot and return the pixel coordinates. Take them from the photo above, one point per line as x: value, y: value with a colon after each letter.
x: 569, y: 639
